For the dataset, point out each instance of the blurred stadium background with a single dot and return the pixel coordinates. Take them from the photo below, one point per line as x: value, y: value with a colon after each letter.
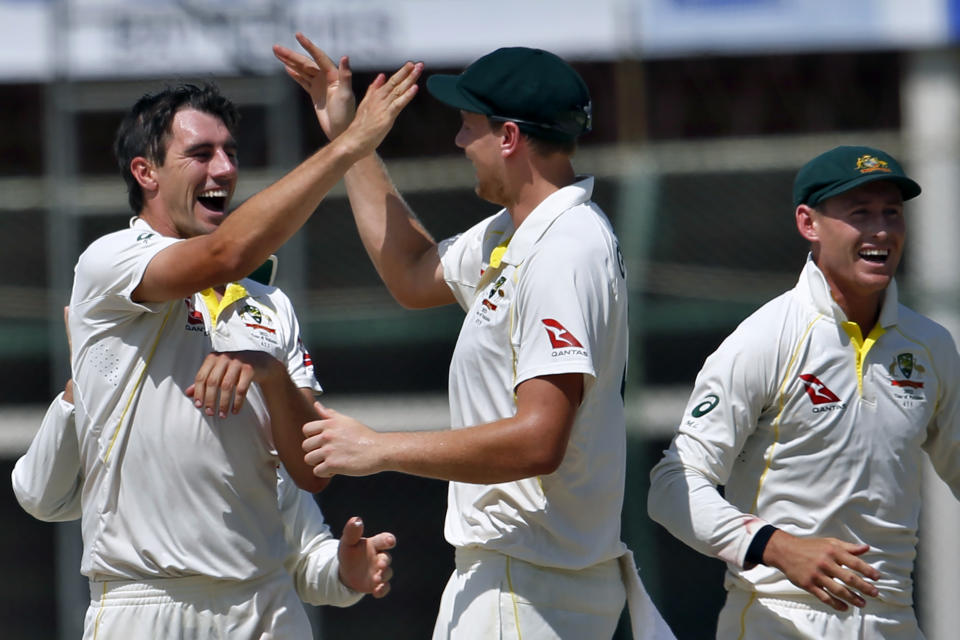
x: 703, y: 111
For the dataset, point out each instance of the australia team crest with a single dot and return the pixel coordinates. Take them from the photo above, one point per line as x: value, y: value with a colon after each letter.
x: 907, y: 375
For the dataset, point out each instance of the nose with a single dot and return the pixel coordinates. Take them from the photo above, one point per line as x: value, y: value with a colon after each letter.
x: 880, y: 226
x: 461, y: 139
x: 223, y: 164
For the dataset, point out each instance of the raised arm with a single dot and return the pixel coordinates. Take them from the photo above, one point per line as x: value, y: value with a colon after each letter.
x: 403, y: 252
x: 264, y: 222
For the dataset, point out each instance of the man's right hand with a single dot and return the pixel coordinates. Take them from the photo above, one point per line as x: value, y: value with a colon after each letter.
x: 328, y: 85
x: 828, y: 568
x: 331, y: 93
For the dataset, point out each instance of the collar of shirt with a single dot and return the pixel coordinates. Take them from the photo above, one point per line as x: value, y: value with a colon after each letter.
x: 540, y: 219
x: 814, y: 284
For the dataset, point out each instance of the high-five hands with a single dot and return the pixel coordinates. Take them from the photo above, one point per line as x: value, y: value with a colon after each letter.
x: 330, y: 90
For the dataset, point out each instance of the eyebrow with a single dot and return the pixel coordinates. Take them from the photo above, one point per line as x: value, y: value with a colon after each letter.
x: 230, y: 145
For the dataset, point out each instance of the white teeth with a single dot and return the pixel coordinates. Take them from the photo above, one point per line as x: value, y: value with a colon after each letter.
x: 875, y: 252
x: 213, y: 193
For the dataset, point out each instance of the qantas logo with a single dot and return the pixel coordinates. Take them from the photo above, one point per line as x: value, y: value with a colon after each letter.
x: 820, y: 395
x: 560, y: 338
x: 194, y: 317
x: 818, y: 392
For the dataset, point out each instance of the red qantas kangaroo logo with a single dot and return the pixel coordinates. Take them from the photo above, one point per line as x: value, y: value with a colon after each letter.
x: 818, y: 392
x: 560, y: 338
x: 193, y: 316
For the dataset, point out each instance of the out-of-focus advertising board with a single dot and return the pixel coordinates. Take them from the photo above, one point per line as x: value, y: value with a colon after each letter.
x: 88, y: 39
x: 143, y: 38
x: 687, y: 27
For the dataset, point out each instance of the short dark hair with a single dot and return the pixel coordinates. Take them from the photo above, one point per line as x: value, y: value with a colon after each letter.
x: 145, y: 130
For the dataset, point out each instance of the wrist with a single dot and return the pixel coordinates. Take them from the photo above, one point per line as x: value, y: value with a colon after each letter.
x: 758, y: 546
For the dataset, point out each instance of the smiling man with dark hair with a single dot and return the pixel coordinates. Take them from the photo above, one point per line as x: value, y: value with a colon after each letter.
x: 183, y: 533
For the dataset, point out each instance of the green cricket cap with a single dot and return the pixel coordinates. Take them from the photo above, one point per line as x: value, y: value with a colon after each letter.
x: 843, y: 168
x: 538, y: 90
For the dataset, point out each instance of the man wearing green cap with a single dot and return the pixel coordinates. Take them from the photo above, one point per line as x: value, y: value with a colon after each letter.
x: 813, y: 414
x: 536, y: 455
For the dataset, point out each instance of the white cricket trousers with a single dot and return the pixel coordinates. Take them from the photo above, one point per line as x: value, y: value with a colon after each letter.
x: 196, y: 608
x: 750, y: 616
x: 491, y: 596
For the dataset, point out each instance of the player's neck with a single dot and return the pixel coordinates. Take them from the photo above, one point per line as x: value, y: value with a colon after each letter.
x: 862, y: 310
x: 539, y: 185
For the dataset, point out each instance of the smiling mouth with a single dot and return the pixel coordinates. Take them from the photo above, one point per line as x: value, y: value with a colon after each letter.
x: 213, y: 199
x: 877, y: 256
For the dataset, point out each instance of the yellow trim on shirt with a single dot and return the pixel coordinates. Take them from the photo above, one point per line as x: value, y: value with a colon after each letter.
x: 861, y: 346
x: 216, y: 305
x: 781, y: 400
x: 133, y: 393
x: 496, y: 255
x: 513, y: 598
x: 743, y: 616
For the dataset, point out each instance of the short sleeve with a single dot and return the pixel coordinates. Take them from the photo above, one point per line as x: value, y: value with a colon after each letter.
x: 557, y: 314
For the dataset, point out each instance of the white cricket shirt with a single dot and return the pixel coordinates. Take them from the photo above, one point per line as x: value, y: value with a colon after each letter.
x: 47, y: 479
x: 548, y: 298
x: 167, y: 490
x: 817, y: 430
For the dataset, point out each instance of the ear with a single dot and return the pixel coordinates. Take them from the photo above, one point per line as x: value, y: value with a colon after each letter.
x: 510, y: 138
x: 807, y: 223
x: 143, y: 172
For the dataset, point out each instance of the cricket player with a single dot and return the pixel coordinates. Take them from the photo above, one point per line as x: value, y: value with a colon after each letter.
x: 47, y: 483
x: 815, y: 414
x: 183, y: 535
x: 536, y: 456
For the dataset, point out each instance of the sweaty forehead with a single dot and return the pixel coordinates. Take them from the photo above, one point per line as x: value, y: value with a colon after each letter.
x: 191, y: 127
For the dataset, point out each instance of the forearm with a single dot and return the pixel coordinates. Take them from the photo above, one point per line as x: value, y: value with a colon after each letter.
x: 401, y: 249
x: 316, y: 576
x: 501, y: 451
x: 691, y: 508
x: 289, y: 408
x: 269, y: 218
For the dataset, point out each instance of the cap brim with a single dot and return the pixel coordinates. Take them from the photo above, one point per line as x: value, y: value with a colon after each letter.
x: 908, y: 188
x: 446, y: 89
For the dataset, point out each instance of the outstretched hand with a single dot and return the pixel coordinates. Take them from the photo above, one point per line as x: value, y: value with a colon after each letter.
x: 339, y: 445
x: 328, y: 85
x: 828, y: 568
x: 332, y: 96
x: 364, y: 562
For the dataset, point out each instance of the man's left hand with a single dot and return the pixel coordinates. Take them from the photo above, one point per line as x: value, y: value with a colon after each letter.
x: 364, y: 562
x: 226, y: 377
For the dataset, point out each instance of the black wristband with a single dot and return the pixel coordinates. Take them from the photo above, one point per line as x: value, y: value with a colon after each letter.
x: 758, y: 544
